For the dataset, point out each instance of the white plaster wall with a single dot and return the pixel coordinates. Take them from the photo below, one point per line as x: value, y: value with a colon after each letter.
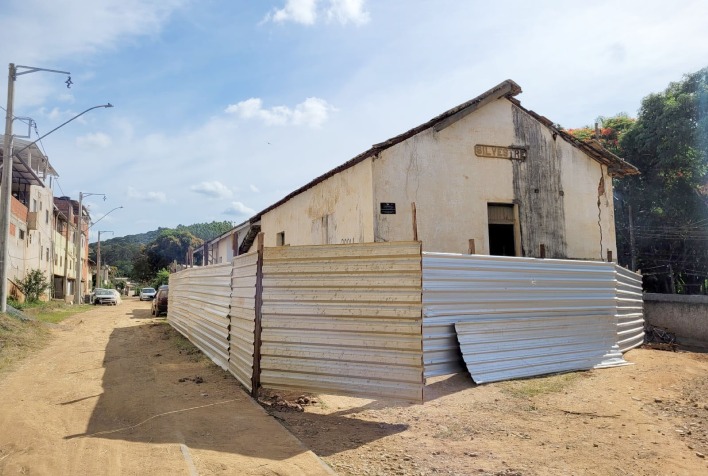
x: 449, y: 184
x: 336, y: 210
x: 451, y: 187
x: 591, y: 228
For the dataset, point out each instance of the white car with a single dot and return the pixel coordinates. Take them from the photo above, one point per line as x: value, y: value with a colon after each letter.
x: 103, y: 296
x: 147, y: 294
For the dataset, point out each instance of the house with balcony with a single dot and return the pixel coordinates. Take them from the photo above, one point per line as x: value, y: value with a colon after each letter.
x: 67, y: 218
x: 31, y: 215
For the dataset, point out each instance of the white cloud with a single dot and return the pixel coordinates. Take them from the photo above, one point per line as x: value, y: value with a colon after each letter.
x: 213, y: 189
x: 152, y: 196
x: 312, y: 112
x: 298, y: 11
x: 239, y: 209
x: 254, y: 189
x: 307, y: 12
x: 345, y: 11
x: 99, y: 139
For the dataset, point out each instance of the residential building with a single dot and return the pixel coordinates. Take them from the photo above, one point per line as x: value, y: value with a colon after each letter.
x: 31, y: 218
x: 67, y: 212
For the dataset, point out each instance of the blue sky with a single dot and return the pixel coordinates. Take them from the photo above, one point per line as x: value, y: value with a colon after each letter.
x: 223, y: 107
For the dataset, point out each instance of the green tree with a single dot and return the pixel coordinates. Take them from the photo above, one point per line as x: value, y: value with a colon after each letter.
x: 669, y: 200
x: 141, y: 270
x: 169, y: 246
x: 162, y: 277
x: 32, y: 285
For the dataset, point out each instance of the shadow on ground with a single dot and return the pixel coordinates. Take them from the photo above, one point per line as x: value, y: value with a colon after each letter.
x: 157, y: 389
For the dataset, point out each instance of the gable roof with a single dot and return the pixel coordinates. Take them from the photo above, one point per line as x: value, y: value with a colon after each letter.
x: 506, y: 89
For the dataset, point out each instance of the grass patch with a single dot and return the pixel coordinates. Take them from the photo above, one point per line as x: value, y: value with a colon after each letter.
x: 53, y: 312
x: 533, y: 387
x: 19, y: 338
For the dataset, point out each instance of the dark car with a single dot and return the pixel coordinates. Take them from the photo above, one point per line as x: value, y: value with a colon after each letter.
x: 159, y: 304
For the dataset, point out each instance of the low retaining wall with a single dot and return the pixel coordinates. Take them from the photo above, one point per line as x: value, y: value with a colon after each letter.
x: 684, y: 316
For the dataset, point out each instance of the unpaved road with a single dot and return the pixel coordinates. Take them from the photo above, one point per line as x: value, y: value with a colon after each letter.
x: 650, y: 418
x: 105, y: 397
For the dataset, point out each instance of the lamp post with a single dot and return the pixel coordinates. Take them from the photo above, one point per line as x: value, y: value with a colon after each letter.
x: 7, y: 160
x: 6, y: 184
x: 79, y: 247
x: 99, y: 275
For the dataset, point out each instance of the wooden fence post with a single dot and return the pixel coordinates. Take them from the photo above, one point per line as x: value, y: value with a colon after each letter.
x: 257, y: 330
x: 415, y: 222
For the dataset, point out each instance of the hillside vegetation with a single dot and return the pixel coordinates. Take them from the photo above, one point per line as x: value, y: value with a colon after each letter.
x: 142, y: 255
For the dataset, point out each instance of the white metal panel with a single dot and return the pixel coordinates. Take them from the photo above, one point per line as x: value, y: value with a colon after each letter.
x: 508, y: 292
x: 243, y: 301
x: 630, y: 309
x: 343, y: 319
x: 199, y: 308
x: 497, y: 349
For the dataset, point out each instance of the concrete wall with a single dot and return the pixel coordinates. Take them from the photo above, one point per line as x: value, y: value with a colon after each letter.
x: 38, y: 253
x: 337, y: 210
x: 18, y: 240
x: 684, y: 316
x: 555, y: 188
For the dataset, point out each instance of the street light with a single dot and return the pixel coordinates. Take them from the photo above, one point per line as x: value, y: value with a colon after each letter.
x: 77, y: 241
x: 99, y: 275
x: 6, y: 187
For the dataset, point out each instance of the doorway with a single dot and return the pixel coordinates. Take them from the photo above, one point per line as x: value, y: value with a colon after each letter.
x: 502, y: 224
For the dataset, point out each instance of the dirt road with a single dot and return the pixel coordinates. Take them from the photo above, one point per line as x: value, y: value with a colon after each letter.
x: 117, y: 392
x: 650, y: 418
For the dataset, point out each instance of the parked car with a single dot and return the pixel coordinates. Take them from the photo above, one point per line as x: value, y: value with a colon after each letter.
x: 146, y: 294
x: 116, y: 293
x: 103, y: 296
x: 159, y: 304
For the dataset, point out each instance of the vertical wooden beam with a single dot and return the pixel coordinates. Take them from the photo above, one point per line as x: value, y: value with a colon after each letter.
x: 471, y: 250
x: 415, y: 222
x: 258, y: 329
x: 543, y: 251
x: 234, y: 244
x: 609, y: 255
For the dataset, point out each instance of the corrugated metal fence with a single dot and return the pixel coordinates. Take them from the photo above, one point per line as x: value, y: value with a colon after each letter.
x: 343, y: 319
x: 242, y: 316
x: 374, y: 319
x: 522, y: 316
x: 630, y: 309
x: 200, y: 299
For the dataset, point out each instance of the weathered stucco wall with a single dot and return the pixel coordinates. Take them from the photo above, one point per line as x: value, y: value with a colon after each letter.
x: 336, y: 210
x: 440, y: 173
x: 684, y: 316
x: 555, y: 188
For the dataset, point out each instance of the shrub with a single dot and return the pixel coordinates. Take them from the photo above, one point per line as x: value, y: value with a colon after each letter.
x: 32, y: 285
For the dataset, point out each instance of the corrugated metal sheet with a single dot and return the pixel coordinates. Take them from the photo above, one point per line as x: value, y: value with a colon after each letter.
x: 573, y: 302
x: 343, y: 319
x: 243, y: 299
x: 630, y: 309
x: 199, y: 308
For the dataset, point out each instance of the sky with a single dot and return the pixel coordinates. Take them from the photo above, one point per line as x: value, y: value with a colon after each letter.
x: 223, y: 107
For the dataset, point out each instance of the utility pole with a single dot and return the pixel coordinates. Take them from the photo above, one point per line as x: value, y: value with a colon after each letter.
x: 79, y: 234
x: 7, y: 161
x: 99, y: 275
x: 5, y: 199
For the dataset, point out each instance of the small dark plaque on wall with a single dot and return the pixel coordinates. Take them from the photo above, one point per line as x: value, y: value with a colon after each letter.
x: 388, y: 208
